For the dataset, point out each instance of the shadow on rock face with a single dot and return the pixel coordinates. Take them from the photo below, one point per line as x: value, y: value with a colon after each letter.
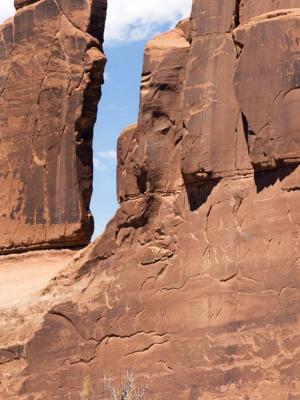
x: 198, y: 194
x: 98, y: 17
x: 264, y: 179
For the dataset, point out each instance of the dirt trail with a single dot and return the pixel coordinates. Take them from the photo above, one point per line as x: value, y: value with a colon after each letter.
x: 24, y: 276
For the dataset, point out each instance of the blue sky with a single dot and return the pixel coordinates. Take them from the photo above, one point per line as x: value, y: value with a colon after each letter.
x: 118, y: 109
x: 130, y: 23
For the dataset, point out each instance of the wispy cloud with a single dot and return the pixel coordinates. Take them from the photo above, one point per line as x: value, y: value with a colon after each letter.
x: 99, y: 166
x: 105, y: 160
x: 107, y: 77
x: 107, y: 155
x: 130, y: 20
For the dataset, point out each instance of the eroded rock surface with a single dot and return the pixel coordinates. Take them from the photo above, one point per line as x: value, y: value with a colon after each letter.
x: 195, y: 283
x: 51, y: 69
x: 271, y: 112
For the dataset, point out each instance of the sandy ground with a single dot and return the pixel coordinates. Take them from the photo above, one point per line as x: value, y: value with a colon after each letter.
x: 24, y: 276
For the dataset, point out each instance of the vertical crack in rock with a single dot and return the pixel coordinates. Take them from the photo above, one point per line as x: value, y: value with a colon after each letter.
x: 207, y: 156
x: 236, y: 15
x: 272, y: 126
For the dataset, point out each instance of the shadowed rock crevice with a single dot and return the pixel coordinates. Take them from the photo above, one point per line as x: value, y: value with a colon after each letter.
x: 236, y: 15
x: 199, y: 194
x: 97, y: 19
x: 265, y: 179
x: 95, y: 62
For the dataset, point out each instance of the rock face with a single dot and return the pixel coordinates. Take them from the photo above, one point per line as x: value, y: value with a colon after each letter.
x: 51, y: 69
x: 196, y: 281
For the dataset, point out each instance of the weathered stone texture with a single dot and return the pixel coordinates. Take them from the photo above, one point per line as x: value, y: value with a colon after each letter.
x: 151, y: 161
x: 252, y: 8
x: 195, y: 283
x: 213, y: 17
x: 51, y: 69
x: 213, y: 142
x: 272, y: 109
x: 23, y: 3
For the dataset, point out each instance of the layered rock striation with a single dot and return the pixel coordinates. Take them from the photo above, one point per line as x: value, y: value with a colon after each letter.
x: 195, y: 282
x: 51, y: 69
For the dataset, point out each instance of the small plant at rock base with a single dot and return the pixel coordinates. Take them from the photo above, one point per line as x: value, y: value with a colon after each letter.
x: 86, y: 389
x: 127, y: 389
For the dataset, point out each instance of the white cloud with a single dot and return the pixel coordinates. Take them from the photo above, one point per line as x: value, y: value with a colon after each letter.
x: 107, y: 155
x: 106, y: 76
x: 104, y: 160
x: 99, y: 166
x: 129, y: 20
x: 7, y: 9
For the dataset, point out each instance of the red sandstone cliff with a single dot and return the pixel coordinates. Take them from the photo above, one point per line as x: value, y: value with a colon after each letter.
x: 51, y: 69
x: 195, y: 282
